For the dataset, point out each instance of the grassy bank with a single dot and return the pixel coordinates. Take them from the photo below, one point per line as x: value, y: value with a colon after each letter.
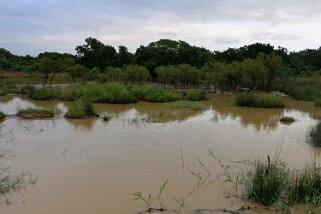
x: 307, y: 89
x: 258, y: 100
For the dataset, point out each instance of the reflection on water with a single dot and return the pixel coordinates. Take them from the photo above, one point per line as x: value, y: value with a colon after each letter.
x: 90, y: 166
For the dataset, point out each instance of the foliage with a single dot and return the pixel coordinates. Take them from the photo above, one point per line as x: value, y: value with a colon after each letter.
x: 30, y: 110
x: 150, y: 94
x: 258, y: 100
x: 131, y: 73
x: 195, y: 95
x: 77, y: 72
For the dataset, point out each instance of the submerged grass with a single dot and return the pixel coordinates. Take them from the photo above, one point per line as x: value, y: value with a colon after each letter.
x: 258, y: 100
x: 150, y: 94
x: 315, y: 135
x: 287, y: 119
x: 195, y: 95
x: 195, y: 106
x: 2, y: 115
x: 80, y: 109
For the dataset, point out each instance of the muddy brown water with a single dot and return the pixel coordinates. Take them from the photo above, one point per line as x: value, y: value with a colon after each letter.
x: 91, y: 166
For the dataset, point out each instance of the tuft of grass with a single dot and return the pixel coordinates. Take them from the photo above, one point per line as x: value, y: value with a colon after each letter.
x: 44, y: 94
x: 80, y: 109
x: 195, y: 95
x: 315, y: 135
x: 195, y: 106
x: 265, y: 181
x: 150, y: 94
x: 287, y: 119
x: 258, y: 100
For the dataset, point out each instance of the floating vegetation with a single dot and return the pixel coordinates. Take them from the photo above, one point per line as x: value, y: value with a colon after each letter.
x: 32, y: 113
x: 287, y: 119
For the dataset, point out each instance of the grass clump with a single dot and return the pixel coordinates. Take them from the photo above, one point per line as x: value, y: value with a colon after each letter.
x: 44, y: 94
x: 195, y: 106
x: 80, y: 109
x: 29, y: 113
x: 195, y: 95
x: 315, y: 135
x: 258, y: 100
x: 2, y: 115
x: 150, y: 94
x: 287, y: 119
x: 265, y: 182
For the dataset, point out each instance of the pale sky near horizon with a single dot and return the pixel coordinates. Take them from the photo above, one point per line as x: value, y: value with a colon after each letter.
x: 34, y: 26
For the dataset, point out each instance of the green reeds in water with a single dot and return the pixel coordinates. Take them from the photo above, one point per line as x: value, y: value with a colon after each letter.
x: 315, y: 136
x: 80, y: 109
x: 258, y: 100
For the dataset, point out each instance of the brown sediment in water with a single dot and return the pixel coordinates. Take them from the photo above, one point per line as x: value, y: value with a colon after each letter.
x: 91, y: 166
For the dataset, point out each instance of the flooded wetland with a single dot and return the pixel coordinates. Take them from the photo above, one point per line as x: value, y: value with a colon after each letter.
x: 95, y: 166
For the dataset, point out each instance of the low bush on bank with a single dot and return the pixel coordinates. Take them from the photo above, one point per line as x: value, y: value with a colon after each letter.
x: 29, y: 113
x: 2, y: 115
x: 8, y: 89
x: 315, y: 135
x: 80, y: 109
x: 150, y: 94
x: 195, y: 106
x: 195, y: 95
x: 317, y: 102
x: 258, y: 100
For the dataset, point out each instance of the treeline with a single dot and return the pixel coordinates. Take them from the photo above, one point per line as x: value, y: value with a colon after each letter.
x: 171, y: 62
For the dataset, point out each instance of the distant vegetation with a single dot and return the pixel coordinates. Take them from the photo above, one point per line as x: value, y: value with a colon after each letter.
x: 252, y: 67
x: 258, y: 100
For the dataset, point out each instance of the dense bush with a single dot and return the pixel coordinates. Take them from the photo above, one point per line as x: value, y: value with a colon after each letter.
x: 258, y: 100
x: 195, y: 95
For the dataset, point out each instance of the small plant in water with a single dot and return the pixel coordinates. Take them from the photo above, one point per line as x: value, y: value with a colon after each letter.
x: 161, y: 190
x: 147, y: 200
x: 287, y: 119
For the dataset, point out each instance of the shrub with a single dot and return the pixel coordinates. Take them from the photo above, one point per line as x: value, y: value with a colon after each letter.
x: 195, y: 95
x: 44, y: 94
x: 71, y: 93
x: 2, y: 115
x: 258, y: 100
x: 150, y: 94
x: 80, y: 109
x: 195, y: 106
x: 315, y: 135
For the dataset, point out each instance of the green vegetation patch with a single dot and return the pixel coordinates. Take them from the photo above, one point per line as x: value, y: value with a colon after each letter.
x: 81, y: 109
x: 31, y: 113
x: 150, y: 94
x: 258, y: 100
x: 195, y: 106
x: 195, y: 95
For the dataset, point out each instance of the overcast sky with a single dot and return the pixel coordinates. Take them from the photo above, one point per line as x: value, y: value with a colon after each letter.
x: 33, y: 26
